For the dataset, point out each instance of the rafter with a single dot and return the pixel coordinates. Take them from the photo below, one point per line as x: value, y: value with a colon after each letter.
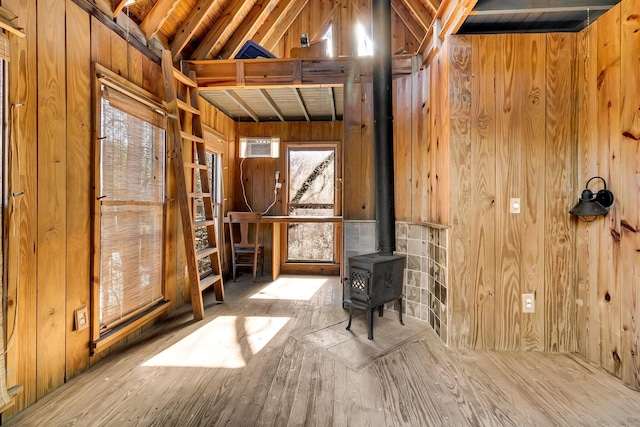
x: 157, y: 16
x: 413, y: 25
x: 303, y: 107
x: 249, y: 26
x: 118, y: 5
x: 247, y: 109
x: 420, y: 12
x: 272, y: 104
x: 224, y: 26
x: 281, y: 16
x: 433, y: 6
x: 190, y: 25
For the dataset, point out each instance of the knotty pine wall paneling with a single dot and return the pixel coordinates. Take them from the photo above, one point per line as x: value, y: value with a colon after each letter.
x: 420, y: 111
x: 607, y: 249
x: 560, y: 164
x: 629, y: 207
x: 461, y: 180
x: 79, y: 159
x: 52, y: 204
x: 481, y: 297
x: 22, y: 238
x: 402, y: 126
x: 608, y: 119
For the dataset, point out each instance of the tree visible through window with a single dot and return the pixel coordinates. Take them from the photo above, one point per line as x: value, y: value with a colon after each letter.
x: 311, y: 175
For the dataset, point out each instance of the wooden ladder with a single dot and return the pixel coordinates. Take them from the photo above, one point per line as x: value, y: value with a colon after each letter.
x: 185, y: 135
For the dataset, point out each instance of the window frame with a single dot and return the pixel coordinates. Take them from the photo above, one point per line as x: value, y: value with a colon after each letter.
x: 100, y: 338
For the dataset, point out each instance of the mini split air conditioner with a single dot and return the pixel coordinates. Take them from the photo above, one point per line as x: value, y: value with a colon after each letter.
x: 259, y: 146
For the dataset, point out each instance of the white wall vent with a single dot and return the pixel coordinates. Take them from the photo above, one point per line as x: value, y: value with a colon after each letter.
x: 259, y: 146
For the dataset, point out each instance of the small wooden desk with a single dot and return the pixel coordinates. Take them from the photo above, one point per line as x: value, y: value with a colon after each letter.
x: 276, y: 230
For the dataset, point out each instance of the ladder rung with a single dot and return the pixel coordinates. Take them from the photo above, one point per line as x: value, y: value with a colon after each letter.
x: 205, y: 252
x: 204, y: 223
x: 205, y: 282
x: 186, y: 107
x: 194, y: 195
x: 194, y: 165
x: 183, y: 79
x: 190, y: 137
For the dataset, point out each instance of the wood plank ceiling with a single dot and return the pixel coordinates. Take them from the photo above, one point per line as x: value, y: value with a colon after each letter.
x: 218, y: 29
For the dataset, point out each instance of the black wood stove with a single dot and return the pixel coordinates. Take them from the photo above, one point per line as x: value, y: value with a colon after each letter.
x: 376, y: 279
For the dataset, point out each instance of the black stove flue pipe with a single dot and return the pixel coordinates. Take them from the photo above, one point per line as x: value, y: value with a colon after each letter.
x: 383, y: 126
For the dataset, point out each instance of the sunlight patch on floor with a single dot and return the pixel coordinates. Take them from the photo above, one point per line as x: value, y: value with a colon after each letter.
x: 225, y: 342
x: 291, y: 288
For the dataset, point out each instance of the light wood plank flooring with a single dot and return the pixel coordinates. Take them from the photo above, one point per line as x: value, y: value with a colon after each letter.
x: 248, y: 364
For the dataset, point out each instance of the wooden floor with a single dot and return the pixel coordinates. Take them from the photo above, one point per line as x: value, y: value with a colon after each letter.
x: 245, y: 365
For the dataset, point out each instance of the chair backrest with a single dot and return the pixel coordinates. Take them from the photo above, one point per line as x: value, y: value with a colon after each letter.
x: 246, y: 221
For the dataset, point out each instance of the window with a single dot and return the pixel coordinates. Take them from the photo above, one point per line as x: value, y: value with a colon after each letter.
x: 311, y: 173
x: 214, y: 172
x: 365, y: 47
x: 130, y: 185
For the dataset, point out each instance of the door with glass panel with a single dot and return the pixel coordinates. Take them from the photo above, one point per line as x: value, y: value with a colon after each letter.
x: 311, y: 177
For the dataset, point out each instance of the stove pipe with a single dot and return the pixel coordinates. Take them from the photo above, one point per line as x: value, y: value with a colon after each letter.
x: 383, y: 126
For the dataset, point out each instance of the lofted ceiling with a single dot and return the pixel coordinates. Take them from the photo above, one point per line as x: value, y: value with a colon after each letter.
x: 197, y: 30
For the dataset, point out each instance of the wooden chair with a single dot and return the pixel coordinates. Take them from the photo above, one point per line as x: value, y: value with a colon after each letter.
x: 246, y: 252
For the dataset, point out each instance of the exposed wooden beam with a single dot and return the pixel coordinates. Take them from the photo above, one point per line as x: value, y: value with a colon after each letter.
x: 190, y: 25
x: 422, y: 14
x: 272, y: 104
x: 303, y: 107
x: 107, y: 20
x: 332, y: 103
x: 157, y: 16
x: 448, y: 19
x: 247, y: 109
x: 249, y: 26
x: 118, y: 5
x: 285, y: 11
x: 433, y: 6
x: 408, y: 18
x: 211, y: 44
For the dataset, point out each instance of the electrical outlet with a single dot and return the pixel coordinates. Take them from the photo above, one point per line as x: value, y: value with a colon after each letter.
x: 514, y: 206
x: 81, y: 318
x: 528, y: 303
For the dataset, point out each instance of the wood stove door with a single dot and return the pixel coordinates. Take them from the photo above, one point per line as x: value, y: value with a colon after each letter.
x: 359, y: 284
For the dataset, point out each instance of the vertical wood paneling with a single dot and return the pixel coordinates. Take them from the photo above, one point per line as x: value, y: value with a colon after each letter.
x: 587, y: 248
x: 419, y: 146
x: 100, y: 43
x: 79, y: 161
x: 52, y: 204
x: 461, y: 299
x: 629, y: 206
x: 21, y: 261
x: 531, y: 135
x: 402, y: 146
x: 367, y: 174
x: 483, y: 178
x: 559, y: 292
x: 509, y: 184
x: 609, y: 86
x: 352, y: 143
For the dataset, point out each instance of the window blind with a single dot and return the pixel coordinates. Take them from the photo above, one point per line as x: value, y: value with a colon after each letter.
x: 132, y: 164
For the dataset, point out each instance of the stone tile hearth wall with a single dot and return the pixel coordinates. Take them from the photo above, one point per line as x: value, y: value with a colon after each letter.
x: 425, y: 275
x: 425, y: 280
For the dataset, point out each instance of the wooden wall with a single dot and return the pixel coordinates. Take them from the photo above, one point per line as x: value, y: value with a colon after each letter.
x: 344, y: 15
x: 49, y: 253
x: 259, y: 174
x: 608, y: 276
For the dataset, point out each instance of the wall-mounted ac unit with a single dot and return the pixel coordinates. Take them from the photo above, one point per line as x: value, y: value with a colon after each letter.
x: 259, y: 146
